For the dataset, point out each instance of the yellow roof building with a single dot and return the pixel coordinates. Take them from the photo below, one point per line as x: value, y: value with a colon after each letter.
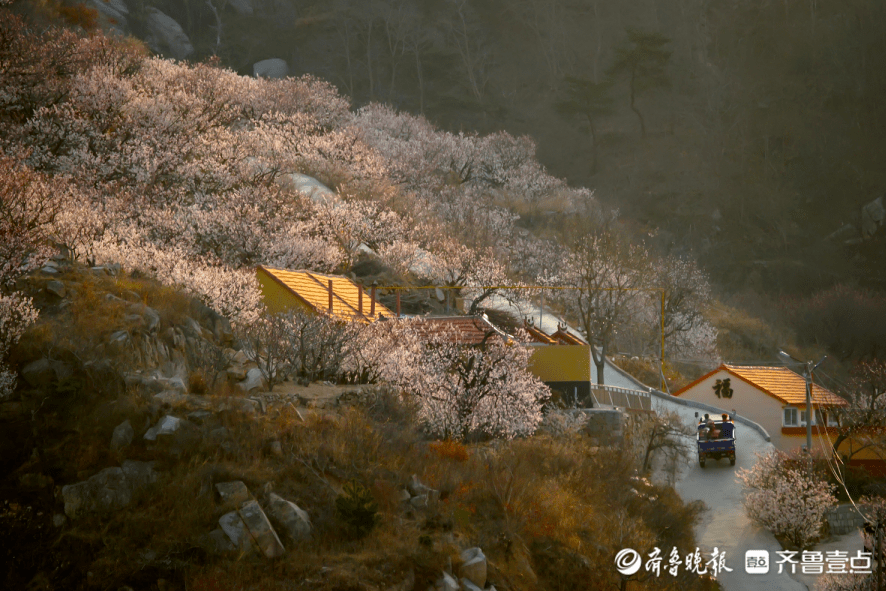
x: 319, y: 293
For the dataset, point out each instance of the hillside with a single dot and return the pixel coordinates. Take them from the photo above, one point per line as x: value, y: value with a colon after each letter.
x: 138, y: 431
x: 763, y: 125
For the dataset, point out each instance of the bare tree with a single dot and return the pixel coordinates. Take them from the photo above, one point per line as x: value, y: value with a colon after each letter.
x: 466, y: 37
x: 662, y: 432
x: 608, y: 274
x: 264, y: 343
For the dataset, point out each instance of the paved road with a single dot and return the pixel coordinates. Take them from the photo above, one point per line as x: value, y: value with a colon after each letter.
x: 725, y: 525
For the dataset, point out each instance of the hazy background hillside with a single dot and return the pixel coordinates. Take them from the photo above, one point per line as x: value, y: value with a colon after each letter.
x: 768, y: 137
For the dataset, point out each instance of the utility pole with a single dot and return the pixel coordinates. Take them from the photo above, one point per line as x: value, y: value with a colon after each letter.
x: 808, y: 368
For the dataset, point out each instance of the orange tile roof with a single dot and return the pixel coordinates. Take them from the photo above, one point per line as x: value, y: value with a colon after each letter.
x: 779, y: 382
x: 464, y: 330
x: 566, y: 338
x: 537, y: 335
x: 313, y: 288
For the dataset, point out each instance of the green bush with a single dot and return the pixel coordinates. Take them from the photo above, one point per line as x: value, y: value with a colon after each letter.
x: 357, y: 508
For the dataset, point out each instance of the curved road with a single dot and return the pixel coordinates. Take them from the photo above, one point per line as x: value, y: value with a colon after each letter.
x: 725, y: 525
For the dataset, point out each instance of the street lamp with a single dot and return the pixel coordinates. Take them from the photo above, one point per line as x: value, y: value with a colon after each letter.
x: 808, y: 368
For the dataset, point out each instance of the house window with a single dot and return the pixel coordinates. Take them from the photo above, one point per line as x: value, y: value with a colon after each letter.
x: 823, y: 417
x: 790, y: 417
x: 803, y: 418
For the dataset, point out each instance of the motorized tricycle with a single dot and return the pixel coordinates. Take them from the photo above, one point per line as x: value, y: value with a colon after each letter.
x: 715, y: 439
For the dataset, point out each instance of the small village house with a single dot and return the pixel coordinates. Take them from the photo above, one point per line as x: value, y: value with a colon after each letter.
x: 775, y: 398
x: 319, y: 293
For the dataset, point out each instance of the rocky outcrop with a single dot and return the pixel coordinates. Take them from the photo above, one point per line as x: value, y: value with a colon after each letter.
x: 290, y: 518
x: 272, y: 68
x: 248, y: 529
x: 122, y: 437
x: 166, y: 36
x: 43, y: 373
x: 114, y: 13
x: 109, y: 490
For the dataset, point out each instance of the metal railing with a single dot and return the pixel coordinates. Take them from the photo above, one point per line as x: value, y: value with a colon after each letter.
x: 604, y: 395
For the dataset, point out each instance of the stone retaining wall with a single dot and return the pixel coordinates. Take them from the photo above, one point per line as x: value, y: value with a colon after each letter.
x: 844, y: 519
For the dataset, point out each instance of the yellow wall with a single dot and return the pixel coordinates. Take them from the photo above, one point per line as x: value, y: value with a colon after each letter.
x: 561, y: 363
x: 276, y: 297
x: 747, y: 401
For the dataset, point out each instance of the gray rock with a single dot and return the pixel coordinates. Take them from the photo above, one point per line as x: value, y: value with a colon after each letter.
x: 872, y: 216
x: 192, y: 328
x: 240, y: 358
x: 415, y: 487
x: 223, y: 330
x: 216, y: 542
x: 59, y: 520
x: 174, y: 435
x: 473, y: 566
x: 152, y: 319
x: 166, y: 35
x: 106, y: 491
x: 260, y: 529
x: 447, y: 583
x: 123, y: 434
x: 235, y: 528
x: 56, y: 288
x: 199, y: 416
x: 236, y: 373
x: 468, y: 585
x: 290, y: 518
x: 276, y: 448
x: 49, y: 270
x: 165, y: 426
x: 254, y: 381
x: 118, y: 340
x: 232, y: 493
x: 116, y: 18
x: 271, y: 68
x: 39, y: 374
x: 243, y: 7
x: 419, y: 501
x: 405, y: 496
x: 175, y: 383
x: 139, y: 474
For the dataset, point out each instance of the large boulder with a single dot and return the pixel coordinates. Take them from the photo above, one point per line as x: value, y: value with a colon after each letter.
x: 174, y: 435
x: 106, y: 491
x: 39, y: 374
x: 272, y: 68
x: 109, y: 490
x: 235, y: 528
x: 254, y: 381
x: 122, y: 437
x: 140, y: 475
x: 473, y: 566
x: 166, y: 36
x: 260, y: 529
x: 294, y: 521
x: 114, y: 13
